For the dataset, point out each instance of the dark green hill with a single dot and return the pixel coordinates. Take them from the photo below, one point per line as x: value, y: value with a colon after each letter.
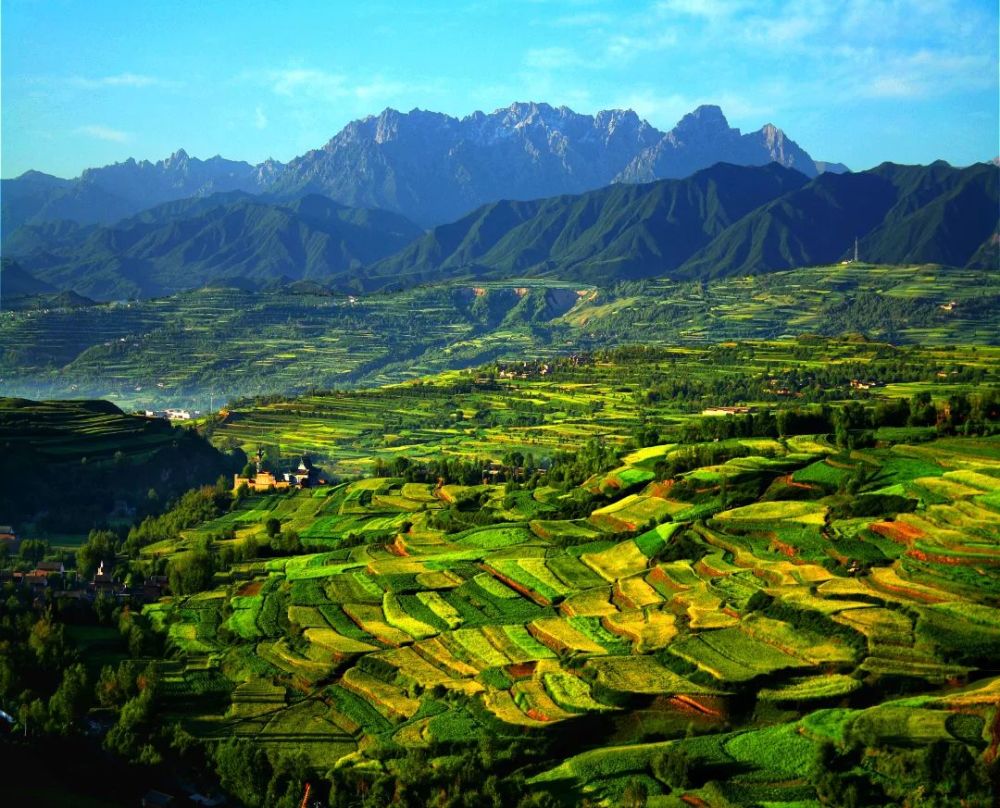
x: 15, y: 282
x: 67, y: 464
x: 725, y: 220
x: 230, y: 238
x: 615, y: 233
x: 900, y: 214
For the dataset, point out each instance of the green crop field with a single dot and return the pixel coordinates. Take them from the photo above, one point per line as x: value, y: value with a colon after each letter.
x: 584, y: 564
x: 515, y: 610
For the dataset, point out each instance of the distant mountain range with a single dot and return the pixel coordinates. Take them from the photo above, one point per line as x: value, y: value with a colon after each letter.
x: 720, y: 221
x: 429, y: 167
x: 434, y: 168
x: 233, y: 238
x: 106, y: 195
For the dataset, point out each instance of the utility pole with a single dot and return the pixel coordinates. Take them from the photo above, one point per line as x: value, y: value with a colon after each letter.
x: 855, y: 249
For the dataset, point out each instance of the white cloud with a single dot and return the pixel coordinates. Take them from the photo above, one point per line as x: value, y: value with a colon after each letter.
x: 554, y: 58
x: 890, y: 87
x: 296, y: 80
x: 623, y: 47
x: 311, y: 84
x: 379, y: 88
x: 709, y: 9
x: 260, y: 117
x: 585, y: 19
x: 922, y: 74
x: 782, y: 31
x: 119, y: 80
x: 106, y: 133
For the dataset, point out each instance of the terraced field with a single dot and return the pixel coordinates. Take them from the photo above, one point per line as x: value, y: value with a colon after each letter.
x: 745, y: 634
x: 558, y: 405
x: 217, y: 345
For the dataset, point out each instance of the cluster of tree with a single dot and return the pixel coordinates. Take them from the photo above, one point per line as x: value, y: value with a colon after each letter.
x: 867, y: 771
x: 968, y: 414
x: 132, y: 689
x: 884, y: 315
x: 27, y: 556
x: 568, y: 469
x: 43, y: 682
x: 192, y: 571
x: 454, y: 471
x: 194, y: 506
x: 443, y: 776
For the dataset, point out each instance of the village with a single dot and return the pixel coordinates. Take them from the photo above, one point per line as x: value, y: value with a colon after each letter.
x: 53, y: 579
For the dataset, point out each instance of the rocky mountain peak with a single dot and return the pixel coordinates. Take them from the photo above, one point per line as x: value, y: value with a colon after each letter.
x: 707, y: 117
x: 434, y: 168
x: 772, y: 134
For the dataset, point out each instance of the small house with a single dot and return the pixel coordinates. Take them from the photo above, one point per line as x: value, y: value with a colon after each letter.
x: 50, y: 568
x: 103, y: 583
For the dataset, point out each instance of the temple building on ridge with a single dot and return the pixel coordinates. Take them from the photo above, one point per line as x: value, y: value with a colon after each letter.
x: 303, y: 476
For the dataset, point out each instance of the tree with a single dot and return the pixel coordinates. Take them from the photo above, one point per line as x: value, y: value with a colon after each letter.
x: 287, y: 542
x: 291, y: 771
x: 244, y: 770
x: 273, y: 527
x: 101, y: 545
x: 128, y: 736
x: 673, y: 767
x: 635, y: 794
x: 33, y: 550
x: 191, y: 572
x: 71, y: 700
x: 47, y: 641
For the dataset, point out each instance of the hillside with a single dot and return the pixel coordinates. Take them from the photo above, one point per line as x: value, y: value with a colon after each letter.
x: 703, y: 137
x: 725, y: 220
x: 15, y: 283
x: 616, y: 233
x: 228, y: 238
x: 900, y: 214
x: 639, y: 599
x: 434, y: 168
x: 70, y: 465
x: 722, y: 221
x: 183, y: 349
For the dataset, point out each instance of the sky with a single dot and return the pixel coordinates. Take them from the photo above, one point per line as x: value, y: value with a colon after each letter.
x: 91, y: 82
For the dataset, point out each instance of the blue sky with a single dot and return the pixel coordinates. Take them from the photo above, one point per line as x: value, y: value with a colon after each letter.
x: 89, y: 82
